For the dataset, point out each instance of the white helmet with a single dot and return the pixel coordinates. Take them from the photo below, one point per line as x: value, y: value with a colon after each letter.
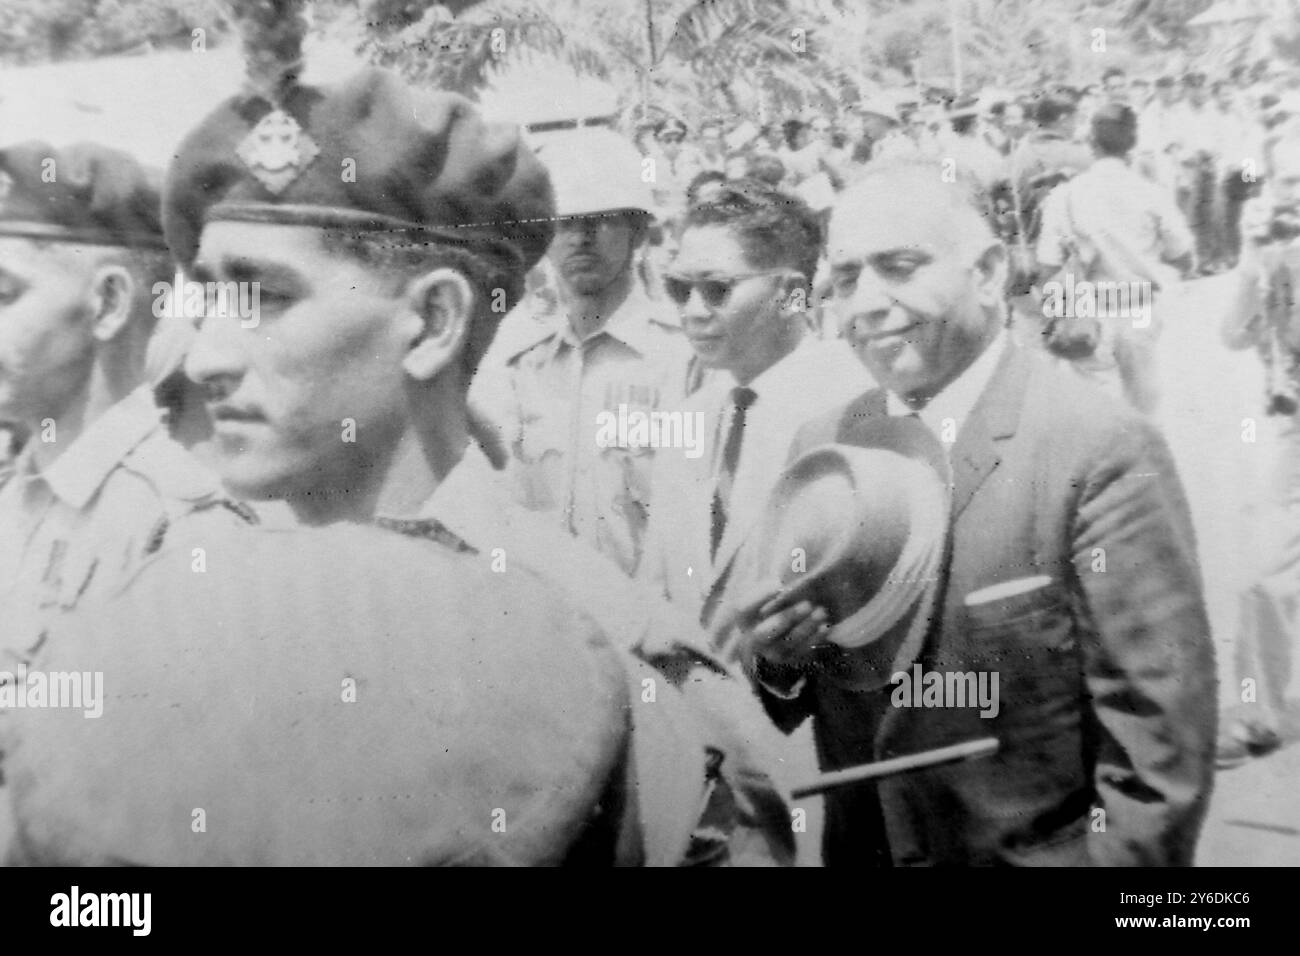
x: 595, y: 170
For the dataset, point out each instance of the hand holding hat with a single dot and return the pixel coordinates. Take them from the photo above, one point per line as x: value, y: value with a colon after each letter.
x: 844, y: 557
x: 781, y: 633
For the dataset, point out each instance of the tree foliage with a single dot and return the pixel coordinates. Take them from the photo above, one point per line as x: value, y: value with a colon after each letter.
x: 747, y: 57
x: 37, y: 31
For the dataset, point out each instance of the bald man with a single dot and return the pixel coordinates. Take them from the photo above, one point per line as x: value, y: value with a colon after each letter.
x: 1071, y: 575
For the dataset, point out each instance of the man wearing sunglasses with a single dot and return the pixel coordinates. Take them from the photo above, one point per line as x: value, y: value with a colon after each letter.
x: 606, y: 351
x: 741, y: 281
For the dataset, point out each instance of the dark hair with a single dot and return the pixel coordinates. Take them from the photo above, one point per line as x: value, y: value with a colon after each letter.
x: 963, y: 124
x: 1052, y: 108
x: 790, y: 129
x: 766, y: 168
x: 701, y: 180
x: 773, y: 227
x: 400, y: 259
x: 1114, y: 130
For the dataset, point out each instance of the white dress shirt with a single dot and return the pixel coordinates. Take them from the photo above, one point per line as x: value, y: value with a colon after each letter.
x: 813, y: 379
x: 946, y: 413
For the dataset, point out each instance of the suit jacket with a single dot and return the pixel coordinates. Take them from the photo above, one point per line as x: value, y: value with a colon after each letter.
x: 1106, y: 717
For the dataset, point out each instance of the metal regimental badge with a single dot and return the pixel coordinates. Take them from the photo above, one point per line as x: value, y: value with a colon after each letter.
x: 277, y: 150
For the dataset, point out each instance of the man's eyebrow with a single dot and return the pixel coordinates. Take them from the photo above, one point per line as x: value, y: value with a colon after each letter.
x: 858, y: 260
x: 899, y: 251
x: 250, y: 269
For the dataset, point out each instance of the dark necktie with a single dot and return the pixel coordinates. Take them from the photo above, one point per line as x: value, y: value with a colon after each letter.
x: 741, y: 399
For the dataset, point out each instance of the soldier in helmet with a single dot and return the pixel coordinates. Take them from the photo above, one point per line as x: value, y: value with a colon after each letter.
x: 606, y: 348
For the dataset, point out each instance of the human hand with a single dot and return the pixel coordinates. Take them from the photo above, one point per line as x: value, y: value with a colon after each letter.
x: 781, y: 634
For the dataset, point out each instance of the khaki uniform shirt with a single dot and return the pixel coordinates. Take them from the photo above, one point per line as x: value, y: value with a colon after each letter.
x: 78, y: 528
x: 558, y: 391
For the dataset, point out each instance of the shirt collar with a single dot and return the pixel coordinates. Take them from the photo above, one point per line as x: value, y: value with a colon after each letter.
x: 78, y: 474
x: 957, y: 400
x: 633, y: 323
x: 789, y: 371
x: 470, y: 501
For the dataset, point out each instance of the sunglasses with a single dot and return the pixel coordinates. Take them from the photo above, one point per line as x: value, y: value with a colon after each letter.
x: 713, y: 292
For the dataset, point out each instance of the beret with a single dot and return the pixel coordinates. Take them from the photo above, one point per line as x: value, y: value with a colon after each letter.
x: 80, y: 193
x: 368, y: 155
x: 335, y: 696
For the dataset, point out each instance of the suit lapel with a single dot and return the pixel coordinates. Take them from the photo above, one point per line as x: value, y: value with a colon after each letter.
x: 976, y: 453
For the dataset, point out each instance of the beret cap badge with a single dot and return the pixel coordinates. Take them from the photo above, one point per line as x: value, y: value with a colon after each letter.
x: 277, y: 151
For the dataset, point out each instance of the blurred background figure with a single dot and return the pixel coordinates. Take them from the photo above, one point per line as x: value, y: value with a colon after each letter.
x: 1109, y: 224
x: 712, y: 147
x: 1115, y: 86
x: 1196, y: 149
x: 1265, y: 317
x: 676, y: 164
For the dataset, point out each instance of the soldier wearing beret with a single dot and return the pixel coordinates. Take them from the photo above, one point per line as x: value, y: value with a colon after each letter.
x: 99, y: 483
x: 493, y: 654
x: 99, y: 480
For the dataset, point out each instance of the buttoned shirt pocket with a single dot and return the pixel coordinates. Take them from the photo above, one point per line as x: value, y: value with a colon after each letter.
x: 540, y: 436
x: 628, y: 471
x: 541, y: 453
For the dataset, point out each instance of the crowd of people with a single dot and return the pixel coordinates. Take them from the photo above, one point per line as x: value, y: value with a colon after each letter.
x: 556, y: 474
x: 1197, y: 137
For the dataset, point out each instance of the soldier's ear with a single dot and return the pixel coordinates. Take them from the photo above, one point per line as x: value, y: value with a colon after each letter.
x: 112, y: 293
x: 991, y: 275
x: 436, y: 313
x: 793, y: 293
